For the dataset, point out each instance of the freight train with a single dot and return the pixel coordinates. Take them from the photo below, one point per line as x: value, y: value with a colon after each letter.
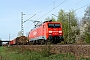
x: 48, y: 31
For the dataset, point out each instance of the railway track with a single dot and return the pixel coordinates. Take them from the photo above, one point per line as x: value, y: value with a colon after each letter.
x: 75, y: 49
x: 56, y: 45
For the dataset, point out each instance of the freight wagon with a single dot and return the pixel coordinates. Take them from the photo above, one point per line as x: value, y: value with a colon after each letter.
x: 19, y: 41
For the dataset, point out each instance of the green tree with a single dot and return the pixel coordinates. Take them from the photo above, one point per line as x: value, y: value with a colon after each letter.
x: 63, y: 19
x: 73, y: 32
x: 86, y: 25
x: 68, y: 20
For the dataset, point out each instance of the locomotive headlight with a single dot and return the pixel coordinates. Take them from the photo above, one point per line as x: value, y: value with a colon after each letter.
x: 60, y: 31
x: 50, y: 31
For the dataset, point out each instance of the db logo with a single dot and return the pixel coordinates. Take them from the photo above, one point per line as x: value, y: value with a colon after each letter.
x: 34, y: 33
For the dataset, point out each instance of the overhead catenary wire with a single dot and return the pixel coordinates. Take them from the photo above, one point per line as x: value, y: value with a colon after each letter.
x: 75, y: 3
x: 42, y: 10
x: 46, y: 7
x: 52, y: 9
x: 82, y: 7
x: 62, y: 3
x: 56, y: 7
x: 29, y: 18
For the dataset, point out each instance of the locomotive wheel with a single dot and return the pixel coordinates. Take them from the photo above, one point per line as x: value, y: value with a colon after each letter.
x: 48, y: 42
x: 31, y: 43
x: 45, y: 42
x: 42, y: 42
x: 34, y: 42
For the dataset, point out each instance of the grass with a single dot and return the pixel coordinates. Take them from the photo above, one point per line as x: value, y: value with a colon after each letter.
x: 12, y: 53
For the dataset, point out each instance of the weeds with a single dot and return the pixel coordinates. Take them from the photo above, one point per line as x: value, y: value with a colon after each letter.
x: 13, y: 53
x: 46, y: 51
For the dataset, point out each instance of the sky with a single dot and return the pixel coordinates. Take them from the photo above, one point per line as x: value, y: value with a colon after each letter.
x: 10, y: 13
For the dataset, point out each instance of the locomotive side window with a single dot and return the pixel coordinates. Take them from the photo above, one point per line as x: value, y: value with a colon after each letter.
x: 54, y: 26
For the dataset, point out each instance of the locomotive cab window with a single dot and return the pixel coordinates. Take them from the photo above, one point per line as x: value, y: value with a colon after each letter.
x: 57, y: 25
x: 54, y: 26
x: 50, y: 25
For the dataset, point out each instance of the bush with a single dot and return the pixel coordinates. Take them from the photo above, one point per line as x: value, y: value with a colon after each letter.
x: 46, y: 51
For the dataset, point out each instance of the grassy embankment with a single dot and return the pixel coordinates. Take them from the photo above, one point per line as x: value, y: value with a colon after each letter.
x: 23, y: 54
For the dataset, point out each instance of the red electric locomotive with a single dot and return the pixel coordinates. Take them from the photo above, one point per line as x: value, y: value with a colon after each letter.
x: 47, y: 32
